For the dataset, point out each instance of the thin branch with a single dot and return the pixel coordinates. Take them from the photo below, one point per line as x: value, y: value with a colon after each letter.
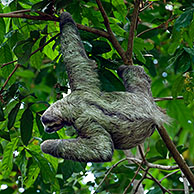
x: 108, y: 172
x: 25, y: 16
x: 152, y: 178
x: 9, y: 77
x: 133, y: 25
x: 168, y: 175
x: 176, y: 155
x: 112, y: 38
x: 20, y: 11
x: 150, y: 165
x: 148, y: 5
x: 172, y: 174
x: 163, y: 25
x: 93, y: 30
x: 164, y: 190
x: 168, y: 98
x: 139, y: 183
x: 3, y: 65
x: 131, y: 182
x: 50, y: 40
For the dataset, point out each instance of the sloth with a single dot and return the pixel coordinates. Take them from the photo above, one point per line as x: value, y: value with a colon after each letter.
x: 104, y: 121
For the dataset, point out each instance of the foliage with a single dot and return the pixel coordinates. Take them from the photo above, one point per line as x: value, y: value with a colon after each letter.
x: 163, y: 45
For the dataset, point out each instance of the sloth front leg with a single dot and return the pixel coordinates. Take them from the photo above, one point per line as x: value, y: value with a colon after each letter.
x: 96, y: 146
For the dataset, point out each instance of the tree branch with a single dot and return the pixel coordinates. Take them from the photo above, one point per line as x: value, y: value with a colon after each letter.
x: 9, y: 77
x: 129, y: 51
x: 111, y: 37
x: 168, y: 98
x: 152, y: 178
x: 165, y: 24
x: 3, y: 65
x: 108, y: 172
x: 176, y: 155
x: 131, y: 182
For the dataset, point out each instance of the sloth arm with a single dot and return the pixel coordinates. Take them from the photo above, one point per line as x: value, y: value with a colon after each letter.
x: 94, y: 145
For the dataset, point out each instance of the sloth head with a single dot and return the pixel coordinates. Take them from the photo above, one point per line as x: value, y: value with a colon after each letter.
x: 52, y: 119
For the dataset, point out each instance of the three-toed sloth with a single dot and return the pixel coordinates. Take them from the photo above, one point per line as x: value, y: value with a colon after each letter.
x: 104, y: 120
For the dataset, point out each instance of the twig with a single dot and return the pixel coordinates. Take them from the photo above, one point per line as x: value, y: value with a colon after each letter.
x: 93, y: 30
x: 132, y: 31
x: 131, y: 182
x: 164, y: 190
x: 25, y: 16
x: 50, y: 40
x: 3, y: 65
x: 168, y: 175
x: 20, y: 11
x: 148, y: 5
x: 172, y: 174
x: 176, y: 155
x: 168, y: 98
x: 152, y: 178
x: 111, y: 37
x: 9, y: 77
x: 143, y: 177
x: 158, y: 27
x: 116, y: 164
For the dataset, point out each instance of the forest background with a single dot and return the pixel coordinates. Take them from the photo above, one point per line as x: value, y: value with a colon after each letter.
x: 158, y: 35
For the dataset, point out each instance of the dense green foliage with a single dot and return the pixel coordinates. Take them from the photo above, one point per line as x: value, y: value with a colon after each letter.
x: 167, y: 53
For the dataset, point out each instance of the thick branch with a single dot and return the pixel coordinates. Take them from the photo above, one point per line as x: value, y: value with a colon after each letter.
x: 176, y: 155
x: 132, y: 31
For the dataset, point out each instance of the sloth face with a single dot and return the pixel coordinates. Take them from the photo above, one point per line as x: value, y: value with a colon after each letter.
x: 51, y: 123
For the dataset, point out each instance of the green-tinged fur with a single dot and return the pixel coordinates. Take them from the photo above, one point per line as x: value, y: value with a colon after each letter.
x: 104, y: 120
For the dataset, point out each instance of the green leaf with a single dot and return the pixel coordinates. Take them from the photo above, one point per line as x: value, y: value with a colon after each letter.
x: 5, y: 135
x: 155, y: 190
x: 26, y: 126
x: 124, y: 169
x: 39, y: 5
x: 68, y: 167
x: 161, y: 148
x: 1, y: 114
x: 25, y: 74
x: 2, y: 30
x: 109, y: 82
x: 27, y: 50
x: 46, y: 169
x: 9, y: 190
x: 39, y: 124
x: 7, y: 163
x: 12, y: 116
x: 6, y: 56
x: 32, y: 174
x: 99, y: 47
x: 189, y: 50
x: 184, y: 19
x: 176, y: 39
x: 48, y: 51
x: 177, y: 86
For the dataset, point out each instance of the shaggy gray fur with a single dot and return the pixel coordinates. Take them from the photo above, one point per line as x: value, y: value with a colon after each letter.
x: 104, y: 120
